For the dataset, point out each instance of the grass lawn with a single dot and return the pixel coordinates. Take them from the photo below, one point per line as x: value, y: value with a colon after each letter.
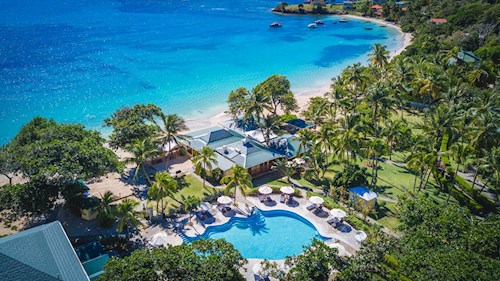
x: 191, y: 186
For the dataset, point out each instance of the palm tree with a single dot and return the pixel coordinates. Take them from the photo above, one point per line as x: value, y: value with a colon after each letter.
x: 191, y: 203
x: 105, y: 215
x: 346, y: 137
x: 163, y: 186
x: 305, y: 138
x: 170, y: 133
x: 238, y: 178
x: 379, y: 101
x: 431, y: 79
x: 204, y: 162
x: 379, y: 56
x: 270, y: 125
x: 394, y: 132
x: 257, y: 104
x: 336, y: 95
x: 127, y: 215
x: 142, y: 151
x: 283, y: 167
x: 460, y: 151
x: 355, y: 79
x: 373, y: 149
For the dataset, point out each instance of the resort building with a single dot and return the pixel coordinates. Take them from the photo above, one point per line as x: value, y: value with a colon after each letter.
x: 42, y: 253
x: 377, y: 9
x: 362, y: 196
x: 245, y: 145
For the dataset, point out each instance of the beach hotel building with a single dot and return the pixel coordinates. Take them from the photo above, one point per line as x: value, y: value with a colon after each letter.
x: 241, y: 144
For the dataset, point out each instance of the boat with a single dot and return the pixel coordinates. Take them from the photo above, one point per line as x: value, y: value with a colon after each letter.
x: 319, y: 22
x: 368, y: 28
x: 344, y: 20
x: 312, y: 25
x: 275, y: 24
x: 383, y: 25
x: 334, y: 22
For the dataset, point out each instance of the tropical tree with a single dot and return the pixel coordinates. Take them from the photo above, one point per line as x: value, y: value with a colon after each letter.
x: 106, y: 215
x: 163, y: 186
x: 127, y: 215
x: 170, y: 133
x: 460, y: 151
x: 270, y: 125
x: 258, y: 102
x: 191, y: 203
x: 237, y: 102
x: 283, y: 166
x: 379, y: 101
x: 204, y: 162
x: 305, y: 138
x: 379, y: 56
x: 142, y: 152
x: 238, y: 178
x: 280, y: 96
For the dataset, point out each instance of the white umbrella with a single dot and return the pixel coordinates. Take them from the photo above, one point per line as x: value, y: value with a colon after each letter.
x: 338, y: 213
x: 257, y: 268
x: 300, y: 161
x: 287, y: 189
x: 159, y: 239
x: 360, y: 236
x: 224, y: 200
x: 340, y: 248
x: 265, y: 190
x: 316, y: 200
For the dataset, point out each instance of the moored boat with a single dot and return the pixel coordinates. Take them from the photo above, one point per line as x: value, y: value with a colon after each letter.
x: 275, y: 24
x: 368, y: 28
x: 312, y: 25
x: 344, y: 20
x: 319, y: 22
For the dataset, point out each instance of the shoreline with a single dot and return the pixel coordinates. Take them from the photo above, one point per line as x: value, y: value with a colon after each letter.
x: 303, y: 95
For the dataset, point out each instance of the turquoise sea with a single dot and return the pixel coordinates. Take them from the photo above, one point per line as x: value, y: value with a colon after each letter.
x: 80, y: 60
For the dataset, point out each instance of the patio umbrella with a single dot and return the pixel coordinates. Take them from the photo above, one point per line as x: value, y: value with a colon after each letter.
x: 338, y: 213
x: 360, y: 236
x: 159, y: 239
x: 224, y: 200
x: 287, y: 190
x: 300, y: 161
x: 265, y: 190
x: 316, y: 200
x: 340, y: 248
x: 257, y: 268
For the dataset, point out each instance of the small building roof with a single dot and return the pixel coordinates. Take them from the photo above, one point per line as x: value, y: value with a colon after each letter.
x: 40, y: 253
x: 439, y: 20
x: 363, y: 193
x: 468, y: 56
x: 376, y: 7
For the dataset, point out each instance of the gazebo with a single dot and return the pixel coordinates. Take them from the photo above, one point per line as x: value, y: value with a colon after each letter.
x: 361, y: 195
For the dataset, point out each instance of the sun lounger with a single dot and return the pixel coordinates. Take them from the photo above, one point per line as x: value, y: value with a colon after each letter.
x: 290, y: 199
x: 268, y: 198
x: 260, y: 198
x: 310, y: 207
x: 221, y: 208
x: 282, y: 198
x: 332, y: 220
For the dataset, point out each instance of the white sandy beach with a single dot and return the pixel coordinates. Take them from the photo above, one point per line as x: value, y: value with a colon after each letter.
x: 303, y: 96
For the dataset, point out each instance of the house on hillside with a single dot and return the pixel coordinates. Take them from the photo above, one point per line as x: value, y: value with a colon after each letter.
x: 377, y: 9
x: 438, y: 20
x: 42, y: 253
x: 348, y: 5
x: 468, y: 57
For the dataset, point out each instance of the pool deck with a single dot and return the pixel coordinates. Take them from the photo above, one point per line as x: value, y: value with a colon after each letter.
x: 192, y: 227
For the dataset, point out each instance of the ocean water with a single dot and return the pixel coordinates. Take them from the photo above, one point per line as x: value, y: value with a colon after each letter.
x: 80, y: 60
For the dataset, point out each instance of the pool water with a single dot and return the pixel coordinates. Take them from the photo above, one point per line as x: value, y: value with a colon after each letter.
x: 272, y: 235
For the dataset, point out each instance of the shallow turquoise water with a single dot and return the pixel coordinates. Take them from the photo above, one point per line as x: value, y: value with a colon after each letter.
x: 272, y: 235
x: 80, y: 60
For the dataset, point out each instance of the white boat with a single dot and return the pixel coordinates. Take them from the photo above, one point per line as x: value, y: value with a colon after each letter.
x: 319, y: 22
x: 343, y: 20
x: 312, y: 25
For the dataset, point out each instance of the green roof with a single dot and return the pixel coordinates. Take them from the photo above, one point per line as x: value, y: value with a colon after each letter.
x: 41, y: 251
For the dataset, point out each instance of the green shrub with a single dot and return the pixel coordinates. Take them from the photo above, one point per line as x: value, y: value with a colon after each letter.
x: 357, y: 223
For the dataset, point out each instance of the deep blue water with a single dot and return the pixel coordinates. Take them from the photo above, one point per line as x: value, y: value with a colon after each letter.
x: 272, y: 235
x: 80, y: 60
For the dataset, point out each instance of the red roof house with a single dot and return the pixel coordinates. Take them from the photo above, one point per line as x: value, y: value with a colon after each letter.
x: 439, y: 21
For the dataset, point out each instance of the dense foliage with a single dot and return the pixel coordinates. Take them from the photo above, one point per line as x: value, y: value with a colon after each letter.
x: 51, y: 155
x: 201, y: 260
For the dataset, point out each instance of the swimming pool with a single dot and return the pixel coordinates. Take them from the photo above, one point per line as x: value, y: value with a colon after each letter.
x: 271, y: 235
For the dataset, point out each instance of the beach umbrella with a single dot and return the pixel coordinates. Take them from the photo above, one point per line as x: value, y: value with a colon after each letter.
x: 340, y: 248
x: 316, y: 200
x: 257, y: 268
x: 265, y: 190
x: 287, y: 190
x: 224, y: 200
x: 360, y: 236
x: 300, y: 161
x: 159, y: 239
x: 338, y: 213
